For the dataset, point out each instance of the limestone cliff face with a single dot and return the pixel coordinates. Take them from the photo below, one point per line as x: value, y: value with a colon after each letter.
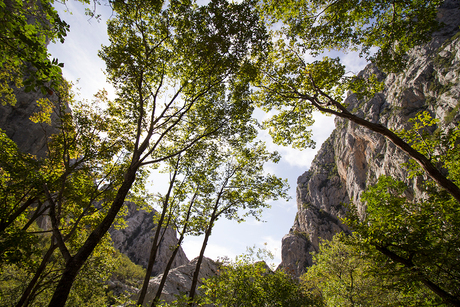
x: 354, y: 157
x: 14, y: 120
x: 179, y: 280
x: 136, y: 239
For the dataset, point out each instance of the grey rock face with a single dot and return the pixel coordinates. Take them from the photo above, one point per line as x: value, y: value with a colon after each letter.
x: 354, y: 157
x: 179, y: 280
x: 14, y: 120
x: 136, y: 239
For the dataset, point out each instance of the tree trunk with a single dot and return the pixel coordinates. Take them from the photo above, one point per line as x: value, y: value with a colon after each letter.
x: 173, y: 256
x: 152, y: 258
x: 166, y: 272
x: 41, y: 268
x: 74, y: 265
x: 154, y: 249
x: 200, y: 260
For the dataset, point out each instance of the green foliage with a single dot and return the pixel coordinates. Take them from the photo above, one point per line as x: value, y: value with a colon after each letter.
x: 346, y: 274
x: 291, y: 87
x: 244, y: 282
x: 392, y: 26
x: 126, y: 271
x: 421, y: 236
x: 439, y: 145
x: 89, y: 288
x: 27, y: 26
x: 19, y: 187
x: 403, y: 251
x: 232, y: 183
x: 365, y: 88
x: 73, y: 184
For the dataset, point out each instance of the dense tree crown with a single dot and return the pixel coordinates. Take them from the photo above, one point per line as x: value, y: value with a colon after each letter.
x: 392, y: 26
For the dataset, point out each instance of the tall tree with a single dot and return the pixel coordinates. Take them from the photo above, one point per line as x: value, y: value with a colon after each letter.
x: 234, y: 186
x: 418, y: 235
x: 346, y: 274
x: 70, y: 187
x: 174, y: 68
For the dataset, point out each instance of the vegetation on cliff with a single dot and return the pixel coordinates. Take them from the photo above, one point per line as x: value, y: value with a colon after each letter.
x: 187, y: 79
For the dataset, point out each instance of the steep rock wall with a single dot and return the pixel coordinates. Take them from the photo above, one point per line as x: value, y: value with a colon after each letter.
x: 136, y: 239
x: 14, y: 120
x: 354, y: 157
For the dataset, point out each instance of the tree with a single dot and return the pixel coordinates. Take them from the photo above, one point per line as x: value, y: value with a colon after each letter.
x: 70, y: 187
x: 346, y: 274
x: 244, y: 282
x: 418, y: 235
x: 232, y: 183
x: 295, y: 88
x: 194, y: 52
x: 403, y: 250
x: 26, y: 29
x: 170, y: 204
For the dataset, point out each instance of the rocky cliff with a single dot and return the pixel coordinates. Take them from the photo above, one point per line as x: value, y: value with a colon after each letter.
x: 136, y: 239
x: 354, y: 157
x: 179, y: 280
x: 14, y: 120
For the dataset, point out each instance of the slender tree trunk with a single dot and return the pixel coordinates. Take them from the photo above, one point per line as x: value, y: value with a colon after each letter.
x: 74, y: 265
x: 200, y: 260
x: 155, y: 244
x: 166, y: 272
x: 41, y: 268
x: 152, y: 258
x: 173, y: 256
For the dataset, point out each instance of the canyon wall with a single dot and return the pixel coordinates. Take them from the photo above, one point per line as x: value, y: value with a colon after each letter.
x: 353, y: 157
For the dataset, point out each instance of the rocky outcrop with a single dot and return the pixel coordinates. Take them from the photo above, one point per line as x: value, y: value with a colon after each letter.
x: 354, y: 157
x: 136, y: 239
x: 179, y: 280
x: 15, y: 121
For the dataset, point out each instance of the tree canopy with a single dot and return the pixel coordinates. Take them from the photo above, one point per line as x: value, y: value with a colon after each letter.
x: 187, y: 79
x: 382, y: 31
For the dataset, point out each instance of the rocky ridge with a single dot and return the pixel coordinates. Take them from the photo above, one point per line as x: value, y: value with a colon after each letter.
x: 179, y: 280
x: 354, y: 157
x: 136, y: 239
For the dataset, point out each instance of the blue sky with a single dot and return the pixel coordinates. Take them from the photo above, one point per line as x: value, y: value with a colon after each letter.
x: 85, y: 69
